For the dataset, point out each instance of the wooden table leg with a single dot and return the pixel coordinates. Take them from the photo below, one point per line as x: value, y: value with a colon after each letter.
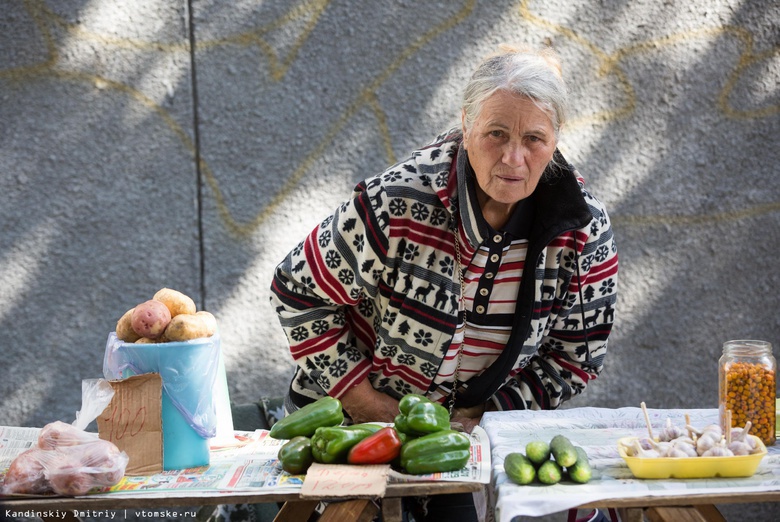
x: 704, y: 513
x: 392, y: 509
x: 359, y: 510
x: 631, y: 514
x: 711, y: 513
x: 296, y: 510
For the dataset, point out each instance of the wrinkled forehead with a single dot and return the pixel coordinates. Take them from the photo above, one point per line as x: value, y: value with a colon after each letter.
x: 502, y: 105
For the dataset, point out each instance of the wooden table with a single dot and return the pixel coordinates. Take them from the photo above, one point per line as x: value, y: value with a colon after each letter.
x: 294, y: 508
x: 679, y: 508
x: 689, y: 508
x: 613, y: 485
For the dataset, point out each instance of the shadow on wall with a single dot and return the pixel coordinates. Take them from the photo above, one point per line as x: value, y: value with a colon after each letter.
x: 695, y: 209
x: 112, y: 191
x: 104, y: 151
x: 90, y: 158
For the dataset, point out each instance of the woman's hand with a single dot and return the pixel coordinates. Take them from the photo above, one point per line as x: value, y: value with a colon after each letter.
x: 467, y: 417
x: 468, y: 423
x: 470, y: 417
x: 364, y: 404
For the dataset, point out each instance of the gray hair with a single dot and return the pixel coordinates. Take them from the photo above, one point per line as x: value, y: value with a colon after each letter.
x: 532, y: 74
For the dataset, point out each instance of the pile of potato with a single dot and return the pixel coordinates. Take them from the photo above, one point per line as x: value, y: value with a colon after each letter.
x: 169, y: 316
x: 67, y: 461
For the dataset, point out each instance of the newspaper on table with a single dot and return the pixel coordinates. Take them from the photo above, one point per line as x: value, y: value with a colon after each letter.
x: 250, y: 464
x: 477, y: 469
x: 14, y: 441
x: 597, y: 430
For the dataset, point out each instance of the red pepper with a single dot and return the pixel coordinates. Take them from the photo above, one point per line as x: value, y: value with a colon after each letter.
x: 379, y: 448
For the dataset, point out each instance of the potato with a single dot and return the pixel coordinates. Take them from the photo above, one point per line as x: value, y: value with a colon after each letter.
x: 177, y: 302
x: 61, y: 434
x: 124, y: 328
x: 71, y: 480
x: 27, y: 473
x: 146, y: 340
x: 150, y: 319
x: 184, y: 327
x: 210, y: 320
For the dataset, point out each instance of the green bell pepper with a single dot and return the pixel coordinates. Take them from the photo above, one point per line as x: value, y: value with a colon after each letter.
x: 409, y: 400
x: 420, y: 416
x: 331, y: 445
x: 370, y: 426
x: 305, y: 421
x: 446, y: 450
x: 295, y: 455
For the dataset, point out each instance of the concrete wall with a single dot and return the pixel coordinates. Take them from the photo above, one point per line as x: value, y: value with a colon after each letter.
x: 127, y: 166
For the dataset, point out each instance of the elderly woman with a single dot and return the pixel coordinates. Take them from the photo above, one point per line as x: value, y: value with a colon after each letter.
x: 478, y: 272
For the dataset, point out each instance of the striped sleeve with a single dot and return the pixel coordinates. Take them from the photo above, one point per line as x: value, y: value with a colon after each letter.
x: 316, y: 289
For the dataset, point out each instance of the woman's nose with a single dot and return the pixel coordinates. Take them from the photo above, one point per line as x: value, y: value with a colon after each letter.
x: 513, y: 154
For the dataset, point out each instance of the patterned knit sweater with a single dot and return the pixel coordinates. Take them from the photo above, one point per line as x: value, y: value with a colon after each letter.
x: 351, y: 297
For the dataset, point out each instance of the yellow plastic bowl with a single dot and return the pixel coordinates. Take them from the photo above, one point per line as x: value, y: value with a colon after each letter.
x: 690, y: 467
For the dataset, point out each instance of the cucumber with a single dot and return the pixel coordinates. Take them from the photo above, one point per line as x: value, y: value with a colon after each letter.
x: 537, y: 452
x: 549, y: 472
x: 580, y: 471
x: 563, y: 451
x: 519, y: 469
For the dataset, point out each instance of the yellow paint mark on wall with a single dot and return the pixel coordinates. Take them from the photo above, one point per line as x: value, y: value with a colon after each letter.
x: 366, y: 97
x: 610, y: 64
x: 278, y: 67
x: 693, y: 220
x: 309, y: 13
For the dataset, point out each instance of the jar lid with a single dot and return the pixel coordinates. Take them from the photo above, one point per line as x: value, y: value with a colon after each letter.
x: 747, y: 346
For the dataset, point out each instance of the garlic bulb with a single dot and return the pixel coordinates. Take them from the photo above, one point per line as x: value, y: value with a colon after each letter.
x: 684, y: 440
x: 738, y: 447
x: 741, y: 434
x: 674, y: 452
x: 718, y: 450
x: 670, y: 432
x: 686, y: 445
x: 706, y: 442
x: 713, y: 430
x: 645, y: 443
x: 639, y: 451
x: 755, y: 444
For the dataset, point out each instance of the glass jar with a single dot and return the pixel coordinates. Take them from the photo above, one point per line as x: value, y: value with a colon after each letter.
x: 746, y: 386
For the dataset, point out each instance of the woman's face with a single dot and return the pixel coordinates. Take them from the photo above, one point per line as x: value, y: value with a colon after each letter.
x: 509, y: 145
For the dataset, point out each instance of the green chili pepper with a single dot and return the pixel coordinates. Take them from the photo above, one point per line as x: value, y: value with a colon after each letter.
x: 420, y: 416
x: 331, y: 445
x: 445, y: 450
x: 295, y: 456
x: 305, y: 421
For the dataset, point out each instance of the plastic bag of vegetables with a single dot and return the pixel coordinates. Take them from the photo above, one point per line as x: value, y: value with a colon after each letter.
x: 68, y: 460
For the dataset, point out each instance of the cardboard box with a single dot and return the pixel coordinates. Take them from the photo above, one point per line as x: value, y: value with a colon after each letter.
x: 133, y: 421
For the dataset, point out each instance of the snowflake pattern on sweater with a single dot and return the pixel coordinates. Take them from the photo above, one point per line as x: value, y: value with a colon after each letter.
x: 373, y: 292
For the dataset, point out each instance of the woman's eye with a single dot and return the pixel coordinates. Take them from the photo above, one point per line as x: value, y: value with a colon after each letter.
x: 496, y: 133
